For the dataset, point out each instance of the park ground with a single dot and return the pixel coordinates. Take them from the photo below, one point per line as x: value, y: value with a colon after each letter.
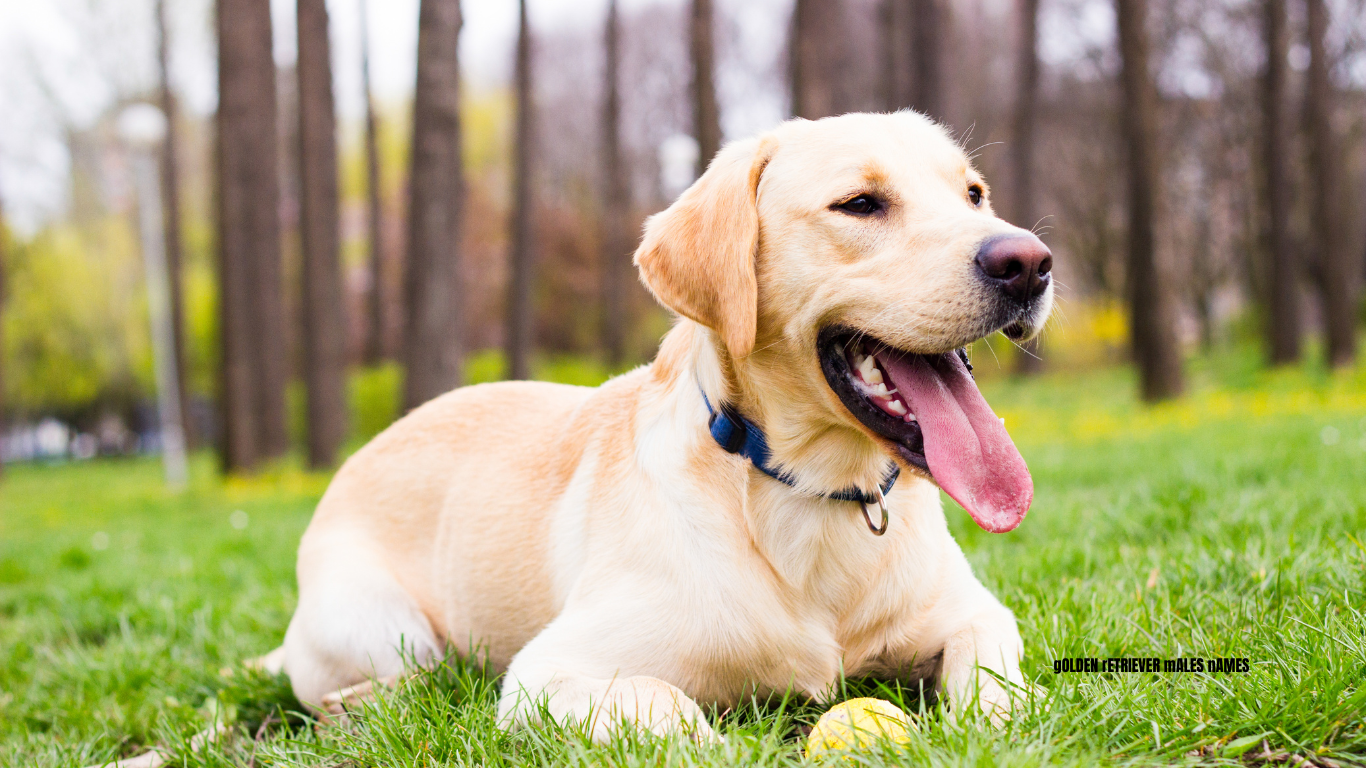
x: 1226, y: 524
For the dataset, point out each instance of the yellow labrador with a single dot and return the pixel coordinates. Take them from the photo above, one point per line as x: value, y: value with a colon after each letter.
x: 702, y: 528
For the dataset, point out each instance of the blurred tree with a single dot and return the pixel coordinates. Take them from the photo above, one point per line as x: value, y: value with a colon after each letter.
x: 324, y: 326
x: 76, y: 339
x: 253, y: 361
x: 374, y: 350
x: 1332, y: 264
x: 433, y: 337
x: 1283, y: 285
x: 616, y: 207
x: 1022, y: 149
x: 170, y: 196
x: 706, y: 116
x: 4, y: 264
x: 929, y: 28
x: 894, y: 48
x: 1152, y: 321
x: 816, y: 58
x: 521, y: 212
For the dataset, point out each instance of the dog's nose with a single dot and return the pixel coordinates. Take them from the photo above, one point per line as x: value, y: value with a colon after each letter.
x: 1020, y: 265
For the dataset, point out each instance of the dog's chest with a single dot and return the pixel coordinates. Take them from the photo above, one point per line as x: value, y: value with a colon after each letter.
x: 801, y: 614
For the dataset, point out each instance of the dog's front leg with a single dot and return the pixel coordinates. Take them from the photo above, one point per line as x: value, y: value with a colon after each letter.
x: 981, y: 666
x: 555, y: 679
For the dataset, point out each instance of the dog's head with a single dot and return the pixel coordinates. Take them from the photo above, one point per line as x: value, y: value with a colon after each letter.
x: 841, y: 266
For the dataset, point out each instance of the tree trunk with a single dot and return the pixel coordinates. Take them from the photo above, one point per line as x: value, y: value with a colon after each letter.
x: 1203, y: 281
x: 434, y: 335
x: 1155, y: 345
x: 374, y: 312
x: 816, y: 58
x: 324, y: 326
x: 520, y: 312
x: 253, y: 366
x: 888, y: 48
x: 928, y: 29
x: 1026, y: 119
x: 4, y: 271
x: 616, y: 208
x: 896, y: 39
x: 1283, y: 323
x: 1336, y: 280
x: 706, y: 117
x: 170, y: 201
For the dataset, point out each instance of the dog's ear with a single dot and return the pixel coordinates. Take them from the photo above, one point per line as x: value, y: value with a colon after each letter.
x: 697, y: 257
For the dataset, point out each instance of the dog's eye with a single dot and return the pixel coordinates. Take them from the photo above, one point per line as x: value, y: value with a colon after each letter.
x: 861, y: 205
x: 975, y: 194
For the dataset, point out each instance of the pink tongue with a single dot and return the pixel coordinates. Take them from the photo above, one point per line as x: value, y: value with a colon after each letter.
x: 968, y: 449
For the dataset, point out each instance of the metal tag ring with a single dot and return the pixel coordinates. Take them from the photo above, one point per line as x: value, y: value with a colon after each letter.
x: 882, y: 505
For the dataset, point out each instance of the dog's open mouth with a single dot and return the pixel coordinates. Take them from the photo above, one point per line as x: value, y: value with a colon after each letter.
x: 929, y: 409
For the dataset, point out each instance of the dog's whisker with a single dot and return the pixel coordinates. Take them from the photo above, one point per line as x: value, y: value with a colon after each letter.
x: 1020, y: 347
x: 976, y: 153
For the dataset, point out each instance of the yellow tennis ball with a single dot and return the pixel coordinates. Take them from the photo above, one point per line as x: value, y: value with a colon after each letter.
x: 856, y: 725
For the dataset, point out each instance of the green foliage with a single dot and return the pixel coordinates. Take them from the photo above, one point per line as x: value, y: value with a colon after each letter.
x: 1227, y: 524
x: 201, y: 326
x: 376, y: 396
x: 488, y: 365
x: 75, y: 322
x: 485, y: 366
x: 376, y: 393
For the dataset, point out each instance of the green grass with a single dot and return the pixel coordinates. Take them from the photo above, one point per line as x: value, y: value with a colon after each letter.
x: 1229, y: 523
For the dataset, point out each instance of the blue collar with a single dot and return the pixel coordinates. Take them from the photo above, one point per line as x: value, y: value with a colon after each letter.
x: 737, y: 435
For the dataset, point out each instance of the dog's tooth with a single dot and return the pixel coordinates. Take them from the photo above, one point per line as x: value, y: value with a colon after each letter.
x: 875, y: 375
x: 910, y: 418
x: 896, y: 407
x: 866, y: 367
x: 881, y: 390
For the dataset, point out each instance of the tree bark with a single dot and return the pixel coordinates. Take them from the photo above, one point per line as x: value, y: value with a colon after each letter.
x: 1152, y: 324
x: 4, y: 273
x: 928, y: 29
x: 170, y: 202
x: 1024, y: 129
x: 520, y: 312
x: 1336, y: 281
x: 253, y: 366
x: 324, y: 326
x: 706, y: 116
x: 616, y: 208
x: 434, y: 334
x: 888, y: 48
x: 816, y: 57
x: 1283, y: 322
x: 374, y: 311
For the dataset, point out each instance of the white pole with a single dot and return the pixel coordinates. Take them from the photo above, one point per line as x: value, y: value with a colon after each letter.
x: 143, y: 127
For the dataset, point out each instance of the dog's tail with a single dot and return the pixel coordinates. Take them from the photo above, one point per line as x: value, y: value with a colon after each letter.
x: 272, y: 663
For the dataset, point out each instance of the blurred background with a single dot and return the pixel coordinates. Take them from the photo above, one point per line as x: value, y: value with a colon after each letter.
x: 265, y: 229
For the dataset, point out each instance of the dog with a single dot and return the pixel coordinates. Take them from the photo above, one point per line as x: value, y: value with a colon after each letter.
x: 704, y: 528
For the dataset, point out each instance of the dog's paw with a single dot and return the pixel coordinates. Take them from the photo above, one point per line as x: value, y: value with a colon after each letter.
x: 997, y: 699
x: 649, y: 704
x: 272, y: 663
x: 335, y: 704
